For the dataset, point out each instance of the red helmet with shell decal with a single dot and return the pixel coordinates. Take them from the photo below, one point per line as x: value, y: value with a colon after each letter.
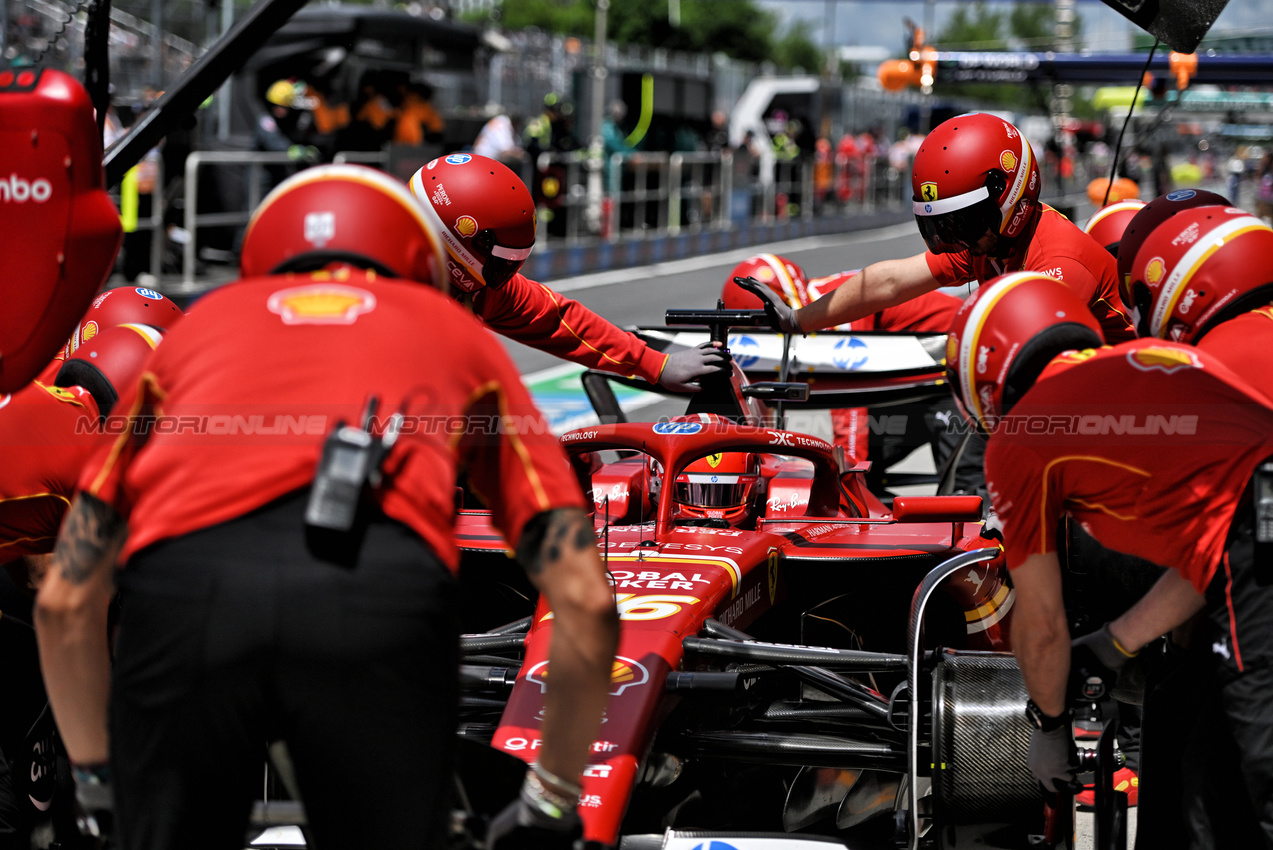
x: 1107, y: 224
x: 123, y: 305
x: 483, y: 212
x: 777, y: 272
x: 975, y: 174
x: 1148, y: 218
x: 1205, y: 265
x: 109, y: 362
x: 1005, y: 334
x: 342, y: 214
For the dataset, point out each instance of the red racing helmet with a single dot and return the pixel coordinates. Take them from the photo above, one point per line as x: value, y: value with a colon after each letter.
x: 121, y: 306
x: 109, y: 362
x: 1205, y: 265
x: 61, y: 231
x: 975, y: 174
x: 342, y: 214
x: 1107, y: 224
x: 1149, y: 217
x: 483, y: 212
x: 1005, y: 334
x: 778, y: 273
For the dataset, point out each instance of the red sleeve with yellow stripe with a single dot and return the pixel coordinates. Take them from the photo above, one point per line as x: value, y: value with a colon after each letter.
x: 519, y: 468
x: 535, y: 315
x: 103, y: 476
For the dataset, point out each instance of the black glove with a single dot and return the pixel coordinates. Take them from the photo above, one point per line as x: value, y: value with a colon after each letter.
x: 782, y: 316
x: 685, y: 366
x: 94, y: 799
x: 532, y: 823
x: 1096, y: 660
x: 1054, y: 760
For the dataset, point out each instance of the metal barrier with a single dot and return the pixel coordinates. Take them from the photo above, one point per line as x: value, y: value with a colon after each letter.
x: 638, y: 195
x: 193, y: 220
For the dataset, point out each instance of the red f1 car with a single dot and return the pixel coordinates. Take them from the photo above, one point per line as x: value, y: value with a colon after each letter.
x: 772, y: 686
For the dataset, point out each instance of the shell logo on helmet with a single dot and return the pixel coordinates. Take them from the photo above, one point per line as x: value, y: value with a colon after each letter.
x: 1155, y: 270
x: 928, y: 192
x: 89, y: 331
x: 952, y: 348
x: 321, y: 304
x: 1163, y: 359
x: 1008, y: 160
x: 466, y: 226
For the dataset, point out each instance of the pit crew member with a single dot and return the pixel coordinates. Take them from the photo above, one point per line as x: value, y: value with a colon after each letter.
x: 1153, y: 447
x: 929, y: 422
x: 976, y: 199
x: 486, y: 218
x: 120, y: 306
x: 287, y: 561
x: 1147, y: 220
x: 1205, y: 277
x: 1108, y: 224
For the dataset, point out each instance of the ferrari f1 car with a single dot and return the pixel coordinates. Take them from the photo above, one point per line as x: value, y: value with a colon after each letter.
x: 798, y: 662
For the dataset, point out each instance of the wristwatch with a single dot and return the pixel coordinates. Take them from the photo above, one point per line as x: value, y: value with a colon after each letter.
x: 1044, y: 722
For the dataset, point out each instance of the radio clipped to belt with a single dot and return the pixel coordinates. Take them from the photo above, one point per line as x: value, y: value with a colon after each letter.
x: 350, y: 464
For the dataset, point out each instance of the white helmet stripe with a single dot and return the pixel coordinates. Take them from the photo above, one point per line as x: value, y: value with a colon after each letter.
x: 1176, y: 282
x: 946, y: 205
x: 970, y: 338
x: 1024, y: 166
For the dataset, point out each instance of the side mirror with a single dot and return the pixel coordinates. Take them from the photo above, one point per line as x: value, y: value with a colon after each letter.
x: 937, y: 509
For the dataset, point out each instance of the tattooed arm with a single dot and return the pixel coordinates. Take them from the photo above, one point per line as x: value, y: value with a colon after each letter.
x: 70, y: 624
x: 559, y: 551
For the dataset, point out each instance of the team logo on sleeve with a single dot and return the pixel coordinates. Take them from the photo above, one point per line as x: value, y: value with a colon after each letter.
x: 321, y: 304
x: 1164, y: 359
x: 928, y: 191
x: 1008, y: 161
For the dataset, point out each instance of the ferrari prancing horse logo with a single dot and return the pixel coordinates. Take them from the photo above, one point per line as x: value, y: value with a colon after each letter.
x: 928, y: 191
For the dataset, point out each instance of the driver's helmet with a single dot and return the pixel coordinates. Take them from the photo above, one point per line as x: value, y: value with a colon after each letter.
x: 973, y: 174
x: 718, y: 486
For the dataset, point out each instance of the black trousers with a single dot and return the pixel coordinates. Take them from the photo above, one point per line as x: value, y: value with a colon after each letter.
x: 246, y: 632
x: 1234, y: 737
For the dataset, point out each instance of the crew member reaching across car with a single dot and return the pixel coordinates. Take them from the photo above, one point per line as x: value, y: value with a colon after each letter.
x: 486, y: 219
x: 976, y: 199
x: 282, y: 500
x: 1155, y: 448
x: 935, y: 423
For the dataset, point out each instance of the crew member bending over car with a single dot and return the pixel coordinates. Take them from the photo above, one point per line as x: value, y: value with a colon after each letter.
x: 1205, y: 277
x: 1154, y: 448
x: 486, y: 218
x: 289, y: 576
x: 976, y: 199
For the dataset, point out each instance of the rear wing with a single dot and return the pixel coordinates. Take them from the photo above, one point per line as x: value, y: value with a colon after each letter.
x: 841, y: 368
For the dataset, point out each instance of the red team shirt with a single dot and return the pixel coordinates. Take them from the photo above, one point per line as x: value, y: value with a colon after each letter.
x: 535, y: 315
x: 1245, y: 344
x: 47, y: 434
x: 1166, y: 497
x: 1058, y: 249
x: 250, y: 383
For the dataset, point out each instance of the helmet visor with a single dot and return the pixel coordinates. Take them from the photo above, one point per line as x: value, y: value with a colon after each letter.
x: 956, y: 224
x: 501, y: 262
x: 701, y: 491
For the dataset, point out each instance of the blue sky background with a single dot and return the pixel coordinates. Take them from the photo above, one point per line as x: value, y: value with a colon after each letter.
x: 880, y: 22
